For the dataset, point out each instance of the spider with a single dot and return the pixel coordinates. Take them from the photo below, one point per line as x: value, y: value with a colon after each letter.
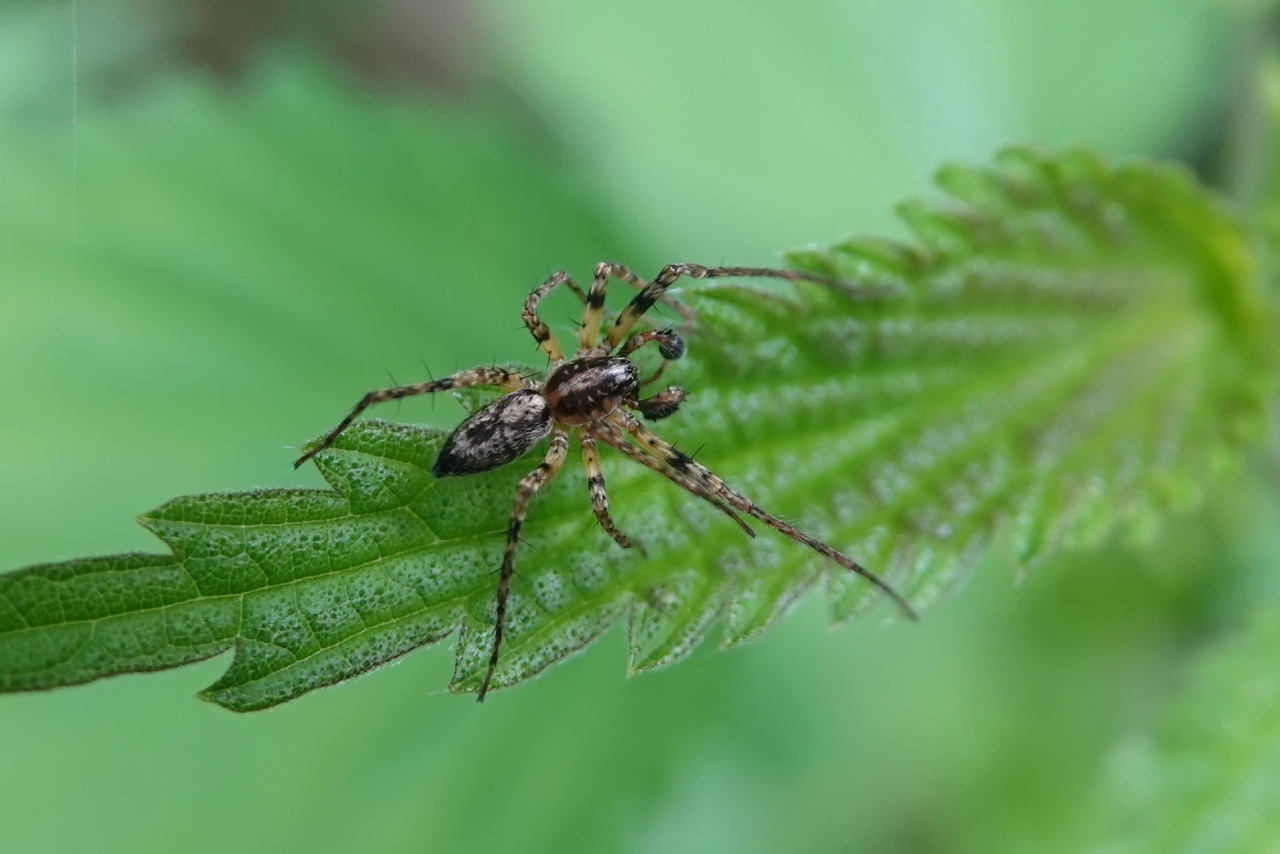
x: 589, y: 396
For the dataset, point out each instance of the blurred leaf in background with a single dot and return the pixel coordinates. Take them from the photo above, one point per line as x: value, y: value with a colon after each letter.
x: 1211, y: 781
x: 724, y: 131
x: 157, y: 343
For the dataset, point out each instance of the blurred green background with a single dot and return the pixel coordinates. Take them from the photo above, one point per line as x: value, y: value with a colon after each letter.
x: 221, y: 222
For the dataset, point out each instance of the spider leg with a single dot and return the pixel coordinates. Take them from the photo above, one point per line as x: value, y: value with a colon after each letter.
x: 529, y: 485
x: 599, y: 496
x: 593, y: 305
x: 577, y: 291
x: 541, y: 333
x: 612, y: 436
x: 593, y: 309
x: 491, y: 376
x: 656, y: 289
x: 682, y: 469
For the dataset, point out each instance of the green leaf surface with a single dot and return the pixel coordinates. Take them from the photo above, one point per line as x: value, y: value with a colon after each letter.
x: 1209, y: 781
x: 1067, y: 348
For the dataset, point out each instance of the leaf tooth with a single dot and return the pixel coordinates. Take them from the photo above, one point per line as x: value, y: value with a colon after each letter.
x: 722, y: 321
x: 974, y: 186
x: 883, y: 265
x: 248, y: 685
x: 570, y: 634
x: 1068, y: 200
x: 1020, y: 174
x: 1119, y: 502
x: 948, y: 231
x: 1087, y: 195
x: 669, y: 619
x: 1080, y: 169
x: 533, y: 638
x: 848, y: 595
x: 764, y: 598
x: 864, y: 282
x: 258, y: 507
x: 893, y: 559
x: 947, y: 570
x: 815, y: 260
x: 1051, y: 232
x: 1072, y: 501
x: 1176, y: 481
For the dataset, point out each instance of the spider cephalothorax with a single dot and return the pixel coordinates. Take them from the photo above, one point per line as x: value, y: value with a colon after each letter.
x: 589, y: 396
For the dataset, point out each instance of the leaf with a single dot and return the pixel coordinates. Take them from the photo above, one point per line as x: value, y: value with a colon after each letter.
x: 1210, y: 780
x: 1066, y: 350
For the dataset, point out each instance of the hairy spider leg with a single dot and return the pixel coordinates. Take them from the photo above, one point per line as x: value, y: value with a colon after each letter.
x: 593, y: 308
x: 614, y: 437
x: 541, y: 333
x: 577, y: 291
x: 490, y: 376
x: 529, y: 485
x: 599, y: 495
x: 593, y: 305
x: 666, y: 277
x: 682, y: 469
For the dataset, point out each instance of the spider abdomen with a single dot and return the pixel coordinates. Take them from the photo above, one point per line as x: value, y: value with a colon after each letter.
x: 495, y: 435
x: 588, y: 389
